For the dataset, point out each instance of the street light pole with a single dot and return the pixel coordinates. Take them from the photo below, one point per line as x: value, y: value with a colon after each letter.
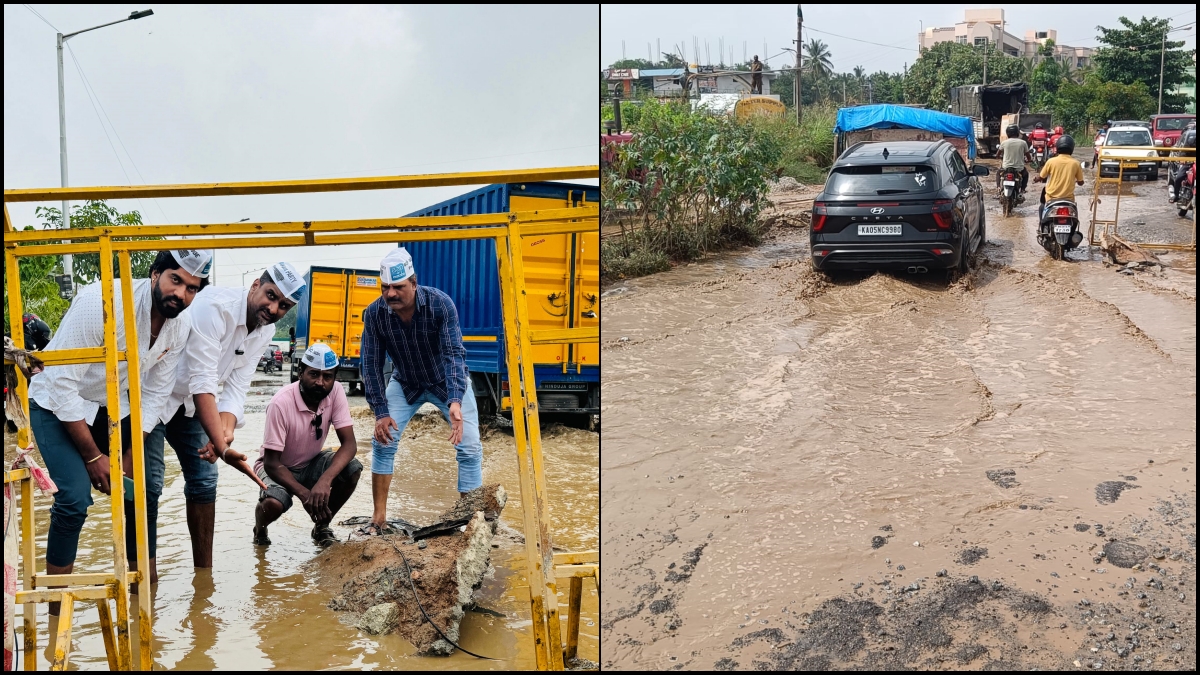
x: 62, y: 127
x: 1162, y: 56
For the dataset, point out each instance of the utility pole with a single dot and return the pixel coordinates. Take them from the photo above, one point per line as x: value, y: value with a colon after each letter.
x: 799, y: 47
x: 985, y: 47
x: 904, y: 85
x: 843, y: 93
x: 1162, y: 61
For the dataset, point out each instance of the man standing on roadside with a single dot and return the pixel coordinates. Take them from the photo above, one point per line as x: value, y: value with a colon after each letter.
x: 231, y: 327
x: 68, y: 404
x: 417, y: 326
x: 292, y: 461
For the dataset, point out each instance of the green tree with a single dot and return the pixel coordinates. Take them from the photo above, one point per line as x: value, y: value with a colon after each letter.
x: 1095, y: 101
x: 1133, y: 54
x: 39, y: 293
x: 1046, y: 77
x: 282, y: 326
x: 98, y: 214
x: 948, y: 64
x: 817, y: 58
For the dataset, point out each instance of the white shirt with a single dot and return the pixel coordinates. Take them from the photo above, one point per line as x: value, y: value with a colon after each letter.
x: 76, y: 392
x: 219, y: 351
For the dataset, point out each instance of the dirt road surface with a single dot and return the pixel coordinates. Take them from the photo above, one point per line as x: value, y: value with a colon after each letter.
x: 890, y: 471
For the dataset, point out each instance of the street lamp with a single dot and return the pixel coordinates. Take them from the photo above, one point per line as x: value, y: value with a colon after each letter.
x: 62, y: 126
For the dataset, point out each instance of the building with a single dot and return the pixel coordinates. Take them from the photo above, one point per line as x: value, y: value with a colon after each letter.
x: 988, y: 26
x: 668, y: 82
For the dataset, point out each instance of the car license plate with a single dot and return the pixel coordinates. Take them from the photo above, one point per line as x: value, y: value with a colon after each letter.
x: 1063, y: 229
x: 1010, y: 182
x: 879, y: 229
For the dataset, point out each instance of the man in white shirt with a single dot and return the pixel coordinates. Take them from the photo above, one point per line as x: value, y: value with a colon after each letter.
x: 230, y: 329
x: 68, y: 404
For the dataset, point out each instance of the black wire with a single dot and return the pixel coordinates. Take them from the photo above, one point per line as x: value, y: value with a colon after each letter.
x: 420, y: 607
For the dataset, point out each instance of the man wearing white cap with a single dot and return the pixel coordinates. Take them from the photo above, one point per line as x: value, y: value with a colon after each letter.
x: 417, y: 326
x: 230, y: 329
x: 68, y: 404
x: 292, y: 462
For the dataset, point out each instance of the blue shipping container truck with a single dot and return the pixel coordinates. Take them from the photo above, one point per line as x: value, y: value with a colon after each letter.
x: 562, y: 276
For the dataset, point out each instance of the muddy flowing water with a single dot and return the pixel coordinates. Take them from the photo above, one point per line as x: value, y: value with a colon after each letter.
x: 785, y: 457
x: 259, y: 608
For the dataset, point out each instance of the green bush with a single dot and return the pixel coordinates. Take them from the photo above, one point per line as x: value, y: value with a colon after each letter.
x: 688, y: 182
x: 808, y: 150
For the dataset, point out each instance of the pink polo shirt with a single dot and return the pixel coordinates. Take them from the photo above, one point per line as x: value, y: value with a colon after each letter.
x: 289, y: 424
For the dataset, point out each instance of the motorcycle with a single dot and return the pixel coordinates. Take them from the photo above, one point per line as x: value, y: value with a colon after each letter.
x: 1011, y: 194
x: 1185, y: 200
x: 1058, y: 228
x: 1039, y: 153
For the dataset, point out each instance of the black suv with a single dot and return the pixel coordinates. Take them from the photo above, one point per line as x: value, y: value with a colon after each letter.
x: 898, y: 205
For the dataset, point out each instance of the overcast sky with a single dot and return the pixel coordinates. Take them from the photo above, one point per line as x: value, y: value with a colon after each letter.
x: 240, y: 93
x: 893, y: 28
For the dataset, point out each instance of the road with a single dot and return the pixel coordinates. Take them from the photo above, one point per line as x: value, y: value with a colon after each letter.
x: 889, y: 471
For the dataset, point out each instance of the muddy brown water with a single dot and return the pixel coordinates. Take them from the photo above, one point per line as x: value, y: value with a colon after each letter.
x: 784, y: 457
x: 260, y: 608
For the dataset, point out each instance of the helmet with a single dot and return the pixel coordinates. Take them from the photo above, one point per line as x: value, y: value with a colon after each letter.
x: 1058, y: 130
x: 37, y: 332
x: 1038, y: 125
x: 1013, y: 131
x: 1065, y: 145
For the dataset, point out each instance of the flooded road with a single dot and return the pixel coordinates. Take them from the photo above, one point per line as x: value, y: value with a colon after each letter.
x: 880, y: 471
x: 260, y: 608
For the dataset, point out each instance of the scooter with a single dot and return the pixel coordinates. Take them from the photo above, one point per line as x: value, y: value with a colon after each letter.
x: 1039, y: 153
x: 1058, y: 228
x: 1186, y: 199
x: 1011, y: 194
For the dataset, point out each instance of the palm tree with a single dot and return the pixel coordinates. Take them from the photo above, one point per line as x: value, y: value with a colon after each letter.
x: 818, y: 56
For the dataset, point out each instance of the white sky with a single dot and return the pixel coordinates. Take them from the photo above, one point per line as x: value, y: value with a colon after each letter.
x: 239, y: 93
x: 894, y: 28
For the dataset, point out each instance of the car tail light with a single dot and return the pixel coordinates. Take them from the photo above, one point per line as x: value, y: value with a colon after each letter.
x: 943, y: 213
x: 819, y: 214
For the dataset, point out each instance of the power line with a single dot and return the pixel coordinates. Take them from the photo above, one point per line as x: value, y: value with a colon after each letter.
x: 41, y: 17
x: 878, y: 44
x: 88, y: 85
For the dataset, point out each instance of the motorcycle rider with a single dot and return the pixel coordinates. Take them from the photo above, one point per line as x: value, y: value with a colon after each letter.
x: 1187, y: 140
x: 1061, y: 173
x: 1054, y: 136
x: 1038, y: 137
x: 1015, y: 153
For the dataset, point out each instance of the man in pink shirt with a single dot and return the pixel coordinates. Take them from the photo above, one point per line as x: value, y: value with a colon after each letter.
x: 292, y: 462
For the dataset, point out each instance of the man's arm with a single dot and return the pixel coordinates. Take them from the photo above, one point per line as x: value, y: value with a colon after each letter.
x: 160, y: 377
x: 233, y: 395
x: 454, y: 354
x: 273, y: 464
x: 372, y: 364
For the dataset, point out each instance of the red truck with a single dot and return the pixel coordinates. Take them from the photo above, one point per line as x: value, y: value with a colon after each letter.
x: 1167, y: 128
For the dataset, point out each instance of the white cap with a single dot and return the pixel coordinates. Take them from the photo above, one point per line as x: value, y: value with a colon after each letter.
x: 320, y: 356
x: 198, y: 263
x: 288, y: 280
x: 396, y: 266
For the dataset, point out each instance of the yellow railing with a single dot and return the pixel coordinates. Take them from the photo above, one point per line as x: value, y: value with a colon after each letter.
x: 505, y: 228
x: 1125, y: 162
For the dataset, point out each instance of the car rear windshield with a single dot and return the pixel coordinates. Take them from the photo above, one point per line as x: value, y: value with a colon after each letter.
x: 1129, y: 138
x: 1171, y: 123
x: 885, y: 179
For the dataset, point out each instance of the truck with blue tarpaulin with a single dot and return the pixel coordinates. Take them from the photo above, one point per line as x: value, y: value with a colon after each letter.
x: 885, y: 122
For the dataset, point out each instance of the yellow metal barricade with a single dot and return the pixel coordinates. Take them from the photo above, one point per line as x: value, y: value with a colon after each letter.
x: 505, y: 228
x: 1109, y: 226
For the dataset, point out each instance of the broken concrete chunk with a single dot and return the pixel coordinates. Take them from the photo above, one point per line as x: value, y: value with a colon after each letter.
x: 371, y: 576
x: 380, y: 618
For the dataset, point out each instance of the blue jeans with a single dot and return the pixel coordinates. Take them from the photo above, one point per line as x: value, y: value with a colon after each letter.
x: 186, y: 436
x: 74, y: 496
x: 470, y: 450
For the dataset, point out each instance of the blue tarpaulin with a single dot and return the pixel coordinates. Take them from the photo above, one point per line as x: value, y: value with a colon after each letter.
x: 863, y: 117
